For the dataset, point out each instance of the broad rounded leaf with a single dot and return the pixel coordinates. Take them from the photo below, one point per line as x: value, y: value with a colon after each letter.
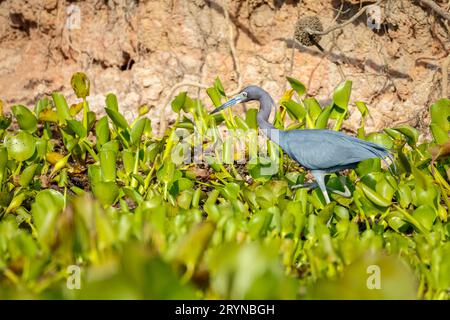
x: 411, y: 134
x: 21, y: 146
x: 425, y: 215
x: 25, y: 118
x: 111, y: 102
x: 178, y: 103
x: 105, y: 192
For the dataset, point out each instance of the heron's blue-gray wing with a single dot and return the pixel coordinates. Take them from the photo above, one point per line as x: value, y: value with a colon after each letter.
x: 322, y: 149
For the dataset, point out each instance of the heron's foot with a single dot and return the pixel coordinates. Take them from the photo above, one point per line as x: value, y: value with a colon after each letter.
x: 309, y: 186
x: 346, y: 193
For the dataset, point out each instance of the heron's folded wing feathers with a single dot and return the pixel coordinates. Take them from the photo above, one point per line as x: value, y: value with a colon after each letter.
x: 317, y: 149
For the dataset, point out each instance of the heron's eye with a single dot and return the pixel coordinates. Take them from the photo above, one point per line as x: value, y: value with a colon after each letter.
x: 244, y: 94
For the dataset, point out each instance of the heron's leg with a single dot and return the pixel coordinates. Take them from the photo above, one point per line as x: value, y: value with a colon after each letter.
x: 320, y: 178
x: 310, y: 186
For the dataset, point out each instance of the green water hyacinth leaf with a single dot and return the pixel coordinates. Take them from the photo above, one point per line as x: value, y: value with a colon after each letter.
x: 184, y: 199
x: 411, y: 134
x: 380, y: 138
x: 394, y: 134
x: 368, y: 166
x: 219, y: 87
x: 41, y: 147
x: 362, y: 107
x: 76, y: 108
x: 341, y: 213
x: 314, y: 110
x: 111, y: 102
x: 322, y: 119
x: 425, y: 191
x: 260, y: 223
x: 16, y: 202
x: 139, y: 179
x: 117, y: 118
x: 102, y: 132
x: 227, y: 155
x: 94, y: 174
x: 214, y: 95
x: 230, y: 191
x: 440, y: 114
x: 143, y: 110
x: 28, y: 174
x: 106, y: 192
x: 91, y: 119
x: 404, y: 195
x: 166, y: 172
x: 241, y: 124
x: 396, y: 222
x: 80, y: 84
x: 62, y: 109
x: 138, y: 130
x: 440, y: 135
x: 192, y: 246
x: 374, y: 197
x: 60, y: 164
x: 133, y: 195
x: 341, y: 99
x: 108, y: 165
x: 77, y: 127
x: 3, y: 164
x: 341, y: 95
x: 440, y: 266
x: 45, y: 210
x: 250, y: 118
x: 425, y: 215
x: 48, y: 115
x: 385, y: 190
x: 20, y: 146
x: 184, y: 184
x: 128, y: 161
x: 41, y: 105
x: 25, y: 118
x: 5, y: 122
x: 298, y: 87
x: 295, y: 110
x: 179, y: 101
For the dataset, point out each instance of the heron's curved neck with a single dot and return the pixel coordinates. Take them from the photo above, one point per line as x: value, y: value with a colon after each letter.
x: 266, y: 103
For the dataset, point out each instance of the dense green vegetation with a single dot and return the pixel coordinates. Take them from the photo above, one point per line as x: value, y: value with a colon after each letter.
x: 141, y: 222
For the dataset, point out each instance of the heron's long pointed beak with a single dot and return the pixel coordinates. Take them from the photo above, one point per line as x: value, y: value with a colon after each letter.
x: 238, y: 99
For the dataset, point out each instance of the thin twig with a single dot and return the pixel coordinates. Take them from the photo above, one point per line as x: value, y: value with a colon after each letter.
x: 444, y: 70
x: 162, y: 115
x: 237, y: 67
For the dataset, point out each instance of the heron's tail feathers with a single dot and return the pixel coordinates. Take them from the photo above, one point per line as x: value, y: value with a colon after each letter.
x: 386, y: 154
x: 382, y: 153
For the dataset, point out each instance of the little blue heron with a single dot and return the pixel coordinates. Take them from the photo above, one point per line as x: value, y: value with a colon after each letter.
x: 321, y: 151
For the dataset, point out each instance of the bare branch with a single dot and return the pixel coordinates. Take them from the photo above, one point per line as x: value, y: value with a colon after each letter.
x: 436, y: 8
